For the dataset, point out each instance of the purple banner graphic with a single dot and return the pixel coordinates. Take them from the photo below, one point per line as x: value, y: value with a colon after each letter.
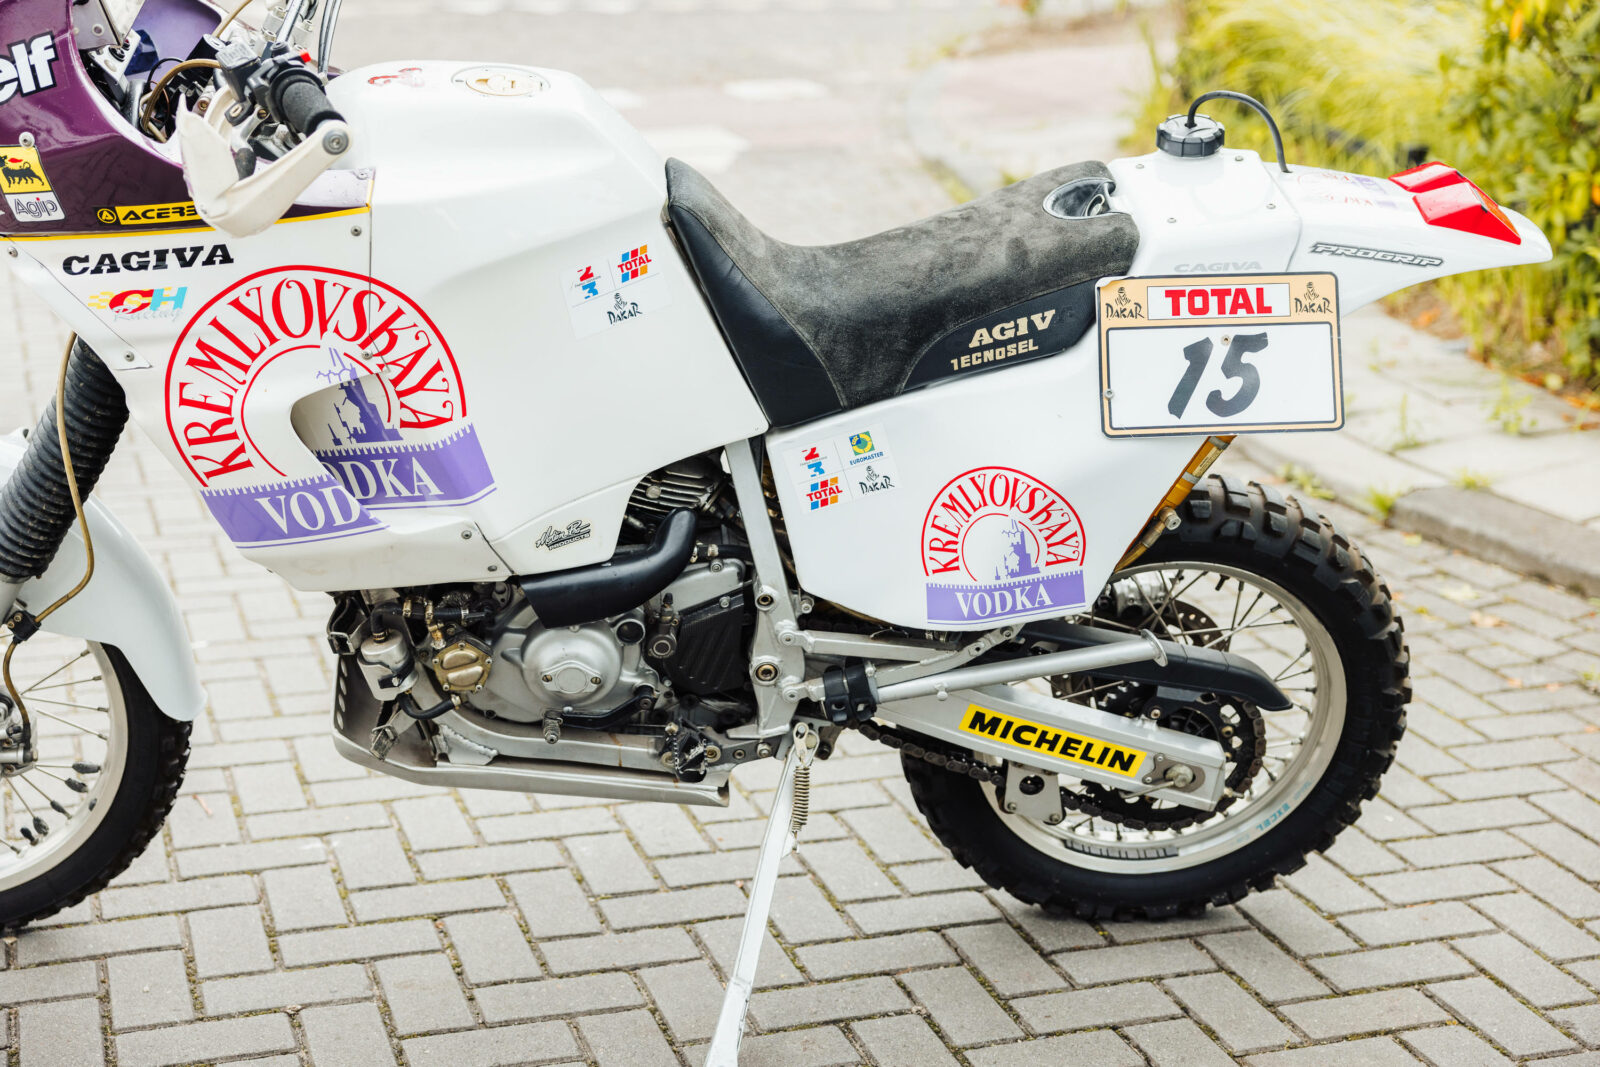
x: 394, y: 475
x: 999, y: 600
x: 305, y: 509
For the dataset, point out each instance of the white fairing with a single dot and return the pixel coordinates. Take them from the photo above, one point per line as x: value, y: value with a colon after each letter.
x: 127, y: 603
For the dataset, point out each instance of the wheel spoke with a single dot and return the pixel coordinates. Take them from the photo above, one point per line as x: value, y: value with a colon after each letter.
x: 55, y: 672
x: 67, y: 722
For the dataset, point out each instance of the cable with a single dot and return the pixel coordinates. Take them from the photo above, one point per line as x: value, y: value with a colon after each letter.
x: 83, y: 527
x: 161, y: 87
x: 235, y: 13
x: 1229, y: 94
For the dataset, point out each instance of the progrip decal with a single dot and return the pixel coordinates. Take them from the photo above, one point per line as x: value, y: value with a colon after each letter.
x: 375, y: 394
x: 998, y: 543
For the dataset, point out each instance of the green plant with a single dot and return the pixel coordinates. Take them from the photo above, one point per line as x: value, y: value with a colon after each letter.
x: 1469, y: 479
x: 1506, y: 408
x: 1407, y: 437
x: 1381, y: 501
x: 1305, y: 481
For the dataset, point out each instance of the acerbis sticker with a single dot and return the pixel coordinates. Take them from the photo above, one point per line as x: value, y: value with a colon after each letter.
x: 1033, y: 737
x: 611, y: 291
x: 25, y: 186
x: 381, y: 407
x: 849, y: 467
x: 997, y: 544
x: 149, y: 214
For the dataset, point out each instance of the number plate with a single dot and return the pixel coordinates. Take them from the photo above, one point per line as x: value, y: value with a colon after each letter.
x: 1219, y: 354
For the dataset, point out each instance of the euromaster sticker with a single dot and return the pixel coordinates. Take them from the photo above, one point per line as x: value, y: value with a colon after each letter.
x: 856, y: 465
x: 998, y: 543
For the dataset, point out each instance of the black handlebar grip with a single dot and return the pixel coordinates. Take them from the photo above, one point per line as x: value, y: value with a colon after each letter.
x: 301, y: 104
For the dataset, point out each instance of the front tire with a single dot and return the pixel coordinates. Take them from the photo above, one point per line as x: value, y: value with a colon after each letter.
x: 1355, y: 717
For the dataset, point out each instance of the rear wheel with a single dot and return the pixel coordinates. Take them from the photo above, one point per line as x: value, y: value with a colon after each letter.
x: 1249, y: 572
x: 108, y: 767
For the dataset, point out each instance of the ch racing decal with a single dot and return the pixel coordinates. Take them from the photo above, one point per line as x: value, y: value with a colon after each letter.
x: 998, y: 543
x: 308, y: 400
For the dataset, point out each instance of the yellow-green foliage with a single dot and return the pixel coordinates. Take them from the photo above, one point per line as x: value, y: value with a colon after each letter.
x: 1507, y: 90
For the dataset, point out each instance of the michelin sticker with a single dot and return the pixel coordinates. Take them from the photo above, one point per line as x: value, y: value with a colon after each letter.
x: 613, y: 290
x: 382, y: 409
x: 853, y: 466
x: 998, y: 543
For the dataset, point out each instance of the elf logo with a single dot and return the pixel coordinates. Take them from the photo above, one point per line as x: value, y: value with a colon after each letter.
x: 30, y: 68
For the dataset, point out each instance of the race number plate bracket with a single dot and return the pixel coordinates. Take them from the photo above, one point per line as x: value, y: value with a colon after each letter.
x: 1219, y: 354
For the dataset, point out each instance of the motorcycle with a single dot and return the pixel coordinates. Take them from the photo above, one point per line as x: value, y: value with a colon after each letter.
x: 612, y: 493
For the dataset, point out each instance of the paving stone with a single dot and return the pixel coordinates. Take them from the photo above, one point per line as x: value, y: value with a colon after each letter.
x: 1453, y: 1046
x: 706, y: 868
x: 312, y: 985
x: 1213, y: 921
x: 1462, y: 816
x: 268, y: 787
x: 317, y: 821
x: 491, y: 947
x: 846, y: 871
x: 903, y: 1041
x: 434, y: 898
x: 489, y: 859
x: 1292, y: 922
x: 62, y: 1033
x: 531, y: 827
x: 609, y: 864
x: 1369, y: 1052
x: 721, y: 939
x: 52, y: 982
x: 912, y: 913
x: 1099, y: 1048
x: 662, y: 829
x: 103, y: 939
x: 1583, y: 1022
x: 1438, y: 883
x: 891, y: 835
x: 203, y: 819
x: 358, y: 943
x: 423, y: 994
x: 605, y: 951
x: 936, y: 876
x: 553, y: 904
x: 556, y: 997
x: 1506, y: 782
x: 785, y: 1008
x: 876, y: 955
x: 1485, y: 1006
x: 229, y: 941
x: 1363, y: 1014
x: 961, y: 1008
x: 1271, y: 972
x: 1005, y: 960
x: 1178, y: 1043
x: 493, y: 1047
x: 433, y: 822
x: 1478, y: 846
x: 302, y: 898
x: 1496, y: 754
x: 1117, y: 1005
x: 627, y: 1039
x: 1152, y: 959
x: 350, y: 1035
x: 1522, y: 970
x: 817, y: 1046
x: 1570, y: 849
x: 1329, y: 889
x: 1358, y: 854
x: 1404, y: 965
x: 370, y: 859
x: 1419, y: 922
x: 674, y: 907
x: 217, y: 1039
x: 1539, y: 925
x: 689, y: 997
x: 147, y: 989
x: 253, y: 856
x: 177, y: 896
x: 1237, y: 1018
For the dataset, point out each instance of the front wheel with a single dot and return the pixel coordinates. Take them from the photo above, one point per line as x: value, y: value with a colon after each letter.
x: 108, y: 767
x: 1251, y: 573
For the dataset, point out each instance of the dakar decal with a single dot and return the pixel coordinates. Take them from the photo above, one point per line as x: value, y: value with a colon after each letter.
x: 613, y: 289
x: 26, y: 189
x: 848, y: 467
x: 376, y: 399
x: 998, y: 543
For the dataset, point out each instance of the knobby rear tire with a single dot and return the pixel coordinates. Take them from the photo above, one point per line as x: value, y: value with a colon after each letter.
x: 1253, y: 528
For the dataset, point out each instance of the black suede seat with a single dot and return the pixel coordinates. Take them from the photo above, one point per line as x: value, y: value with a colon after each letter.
x: 820, y: 329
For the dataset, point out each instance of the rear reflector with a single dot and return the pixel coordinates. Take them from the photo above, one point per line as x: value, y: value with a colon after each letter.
x: 1448, y: 199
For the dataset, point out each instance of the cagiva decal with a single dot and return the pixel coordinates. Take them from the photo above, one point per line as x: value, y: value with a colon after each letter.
x: 141, y: 304
x: 148, y: 214
x: 382, y: 407
x: 849, y: 467
x: 987, y: 342
x: 610, y: 291
x: 997, y: 543
x: 1409, y: 259
x: 410, y: 77
x: 576, y: 530
x: 141, y: 259
x: 26, y: 189
x: 30, y: 69
x: 1231, y: 266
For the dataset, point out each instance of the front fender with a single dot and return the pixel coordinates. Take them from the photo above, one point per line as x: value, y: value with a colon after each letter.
x: 126, y: 604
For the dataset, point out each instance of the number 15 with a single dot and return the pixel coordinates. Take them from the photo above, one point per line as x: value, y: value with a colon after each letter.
x: 1233, y: 365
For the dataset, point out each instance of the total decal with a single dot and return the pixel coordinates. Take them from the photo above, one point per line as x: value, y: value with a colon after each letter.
x: 998, y: 543
x: 613, y: 290
x: 381, y: 407
x: 853, y: 466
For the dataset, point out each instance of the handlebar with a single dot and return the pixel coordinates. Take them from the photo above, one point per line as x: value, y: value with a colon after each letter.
x: 296, y: 98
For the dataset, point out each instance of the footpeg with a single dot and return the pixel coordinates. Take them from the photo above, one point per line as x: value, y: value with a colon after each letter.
x: 790, y: 809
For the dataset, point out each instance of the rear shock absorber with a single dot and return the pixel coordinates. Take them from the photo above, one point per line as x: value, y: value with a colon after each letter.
x: 35, y: 504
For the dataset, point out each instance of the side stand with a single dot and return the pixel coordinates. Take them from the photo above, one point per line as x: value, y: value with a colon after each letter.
x: 790, y: 807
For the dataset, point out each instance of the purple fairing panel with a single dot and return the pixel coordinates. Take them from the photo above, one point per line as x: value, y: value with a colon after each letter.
x: 88, y: 156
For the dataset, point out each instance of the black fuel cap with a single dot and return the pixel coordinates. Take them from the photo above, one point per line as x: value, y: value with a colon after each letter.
x: 1176, y: 137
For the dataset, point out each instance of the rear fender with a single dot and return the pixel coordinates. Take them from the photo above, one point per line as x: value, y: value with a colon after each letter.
x: 127, y: 603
